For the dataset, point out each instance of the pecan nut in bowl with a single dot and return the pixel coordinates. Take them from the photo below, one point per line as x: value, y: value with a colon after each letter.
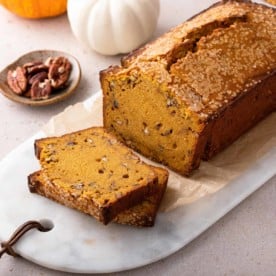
x: 41, y: 76
x: 41, y: 90
x: 35, y: 67
x: 17, y: 80
x: 59, y: 72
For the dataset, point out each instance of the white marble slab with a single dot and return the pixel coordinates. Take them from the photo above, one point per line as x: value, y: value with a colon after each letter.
x: 78, y: 243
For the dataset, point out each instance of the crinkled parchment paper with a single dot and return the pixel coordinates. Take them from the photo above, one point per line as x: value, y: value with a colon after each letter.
x: 209, y: 178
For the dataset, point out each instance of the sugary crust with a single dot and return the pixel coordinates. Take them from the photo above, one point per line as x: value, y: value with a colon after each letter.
x: 161, y: 47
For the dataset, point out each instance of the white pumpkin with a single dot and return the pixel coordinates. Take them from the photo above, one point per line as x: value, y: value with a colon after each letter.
x: 111, y: 27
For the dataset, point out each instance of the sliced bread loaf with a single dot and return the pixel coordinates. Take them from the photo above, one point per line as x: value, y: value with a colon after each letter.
x: 93, y: 172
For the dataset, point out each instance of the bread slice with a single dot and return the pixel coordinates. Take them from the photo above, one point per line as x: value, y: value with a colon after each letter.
x: 142, y: 214
x: 93, y: 172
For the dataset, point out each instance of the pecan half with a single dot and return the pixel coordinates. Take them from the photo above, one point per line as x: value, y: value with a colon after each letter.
x: 59, y: 72
x: 41, y: 76
x: 35, y: 67
x: 17, y: 80
x: 31, y: 64
x: 41, y: 90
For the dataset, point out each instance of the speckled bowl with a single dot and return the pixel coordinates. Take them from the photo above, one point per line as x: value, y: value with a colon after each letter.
x: 41, y: 55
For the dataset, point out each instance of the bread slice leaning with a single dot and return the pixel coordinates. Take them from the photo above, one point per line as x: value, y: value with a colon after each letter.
x: 92, y: 171
x: 142, y: 214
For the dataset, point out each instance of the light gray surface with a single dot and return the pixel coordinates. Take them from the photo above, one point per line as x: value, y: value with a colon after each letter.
x: 242, y: 243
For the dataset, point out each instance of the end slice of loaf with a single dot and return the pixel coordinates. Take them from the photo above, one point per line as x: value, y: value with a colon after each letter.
x: 93, y: 172
x: 142, y: 214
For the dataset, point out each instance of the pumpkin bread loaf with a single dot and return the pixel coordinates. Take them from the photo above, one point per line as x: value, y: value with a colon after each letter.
x: 193, y: 91
x: 93, y: 172
x: 142, y: 214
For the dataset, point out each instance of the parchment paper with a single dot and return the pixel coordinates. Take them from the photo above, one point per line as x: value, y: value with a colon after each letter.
x: 209, y: 178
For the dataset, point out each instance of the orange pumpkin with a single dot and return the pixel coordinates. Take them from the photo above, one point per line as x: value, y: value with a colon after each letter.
x: 35, y: 8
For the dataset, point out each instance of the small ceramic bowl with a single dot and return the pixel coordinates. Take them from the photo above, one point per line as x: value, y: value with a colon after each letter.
x: 41, y: 55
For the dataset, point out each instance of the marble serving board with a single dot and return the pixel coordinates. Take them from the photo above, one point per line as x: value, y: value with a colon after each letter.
x: 78, y: 243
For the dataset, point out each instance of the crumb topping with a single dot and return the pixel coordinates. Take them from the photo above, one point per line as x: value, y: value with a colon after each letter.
x: 226, y: 63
